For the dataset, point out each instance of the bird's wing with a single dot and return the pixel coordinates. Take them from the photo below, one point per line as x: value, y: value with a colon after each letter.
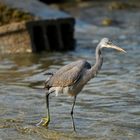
x: 69, y: 74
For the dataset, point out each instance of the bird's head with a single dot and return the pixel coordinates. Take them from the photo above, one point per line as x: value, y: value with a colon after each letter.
x: 106, y: 43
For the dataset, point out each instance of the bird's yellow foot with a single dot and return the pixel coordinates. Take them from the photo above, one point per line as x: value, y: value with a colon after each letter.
x: 44, y: 122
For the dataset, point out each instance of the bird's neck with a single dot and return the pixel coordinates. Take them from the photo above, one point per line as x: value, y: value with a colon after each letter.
x: 99, y: 60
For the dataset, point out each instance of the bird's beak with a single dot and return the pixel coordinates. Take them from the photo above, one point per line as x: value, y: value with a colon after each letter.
x: 116, y: 47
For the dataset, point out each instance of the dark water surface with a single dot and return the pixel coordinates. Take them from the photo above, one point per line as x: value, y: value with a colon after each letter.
x: 108, y: 108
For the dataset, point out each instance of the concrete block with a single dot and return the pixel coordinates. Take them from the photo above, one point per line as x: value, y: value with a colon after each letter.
x: 14, y: 38
x: 52, y: 30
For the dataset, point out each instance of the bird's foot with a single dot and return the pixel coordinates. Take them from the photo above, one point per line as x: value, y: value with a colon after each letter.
x: 44, y: 122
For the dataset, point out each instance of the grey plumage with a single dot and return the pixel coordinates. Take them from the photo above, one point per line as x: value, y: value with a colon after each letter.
x: 68, y: 75
x: 70, y: 79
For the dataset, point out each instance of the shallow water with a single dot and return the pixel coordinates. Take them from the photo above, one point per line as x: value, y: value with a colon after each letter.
x: 108, y: 106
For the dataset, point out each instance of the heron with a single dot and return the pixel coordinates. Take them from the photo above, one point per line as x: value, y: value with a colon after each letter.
x: 70, y: 79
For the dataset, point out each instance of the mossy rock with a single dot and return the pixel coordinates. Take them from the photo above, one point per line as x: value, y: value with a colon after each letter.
x: 120, y: 6
x: 107, y: 22
x: 8, y: 15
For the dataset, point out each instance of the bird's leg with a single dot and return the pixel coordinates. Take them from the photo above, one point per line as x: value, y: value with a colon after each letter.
x: 45, y: 120
x: 72, y: 113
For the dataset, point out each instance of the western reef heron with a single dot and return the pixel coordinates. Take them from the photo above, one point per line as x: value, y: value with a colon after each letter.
x: 70, y: 79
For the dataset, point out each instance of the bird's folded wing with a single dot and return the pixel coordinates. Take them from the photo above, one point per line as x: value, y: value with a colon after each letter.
x: 68, y: 75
